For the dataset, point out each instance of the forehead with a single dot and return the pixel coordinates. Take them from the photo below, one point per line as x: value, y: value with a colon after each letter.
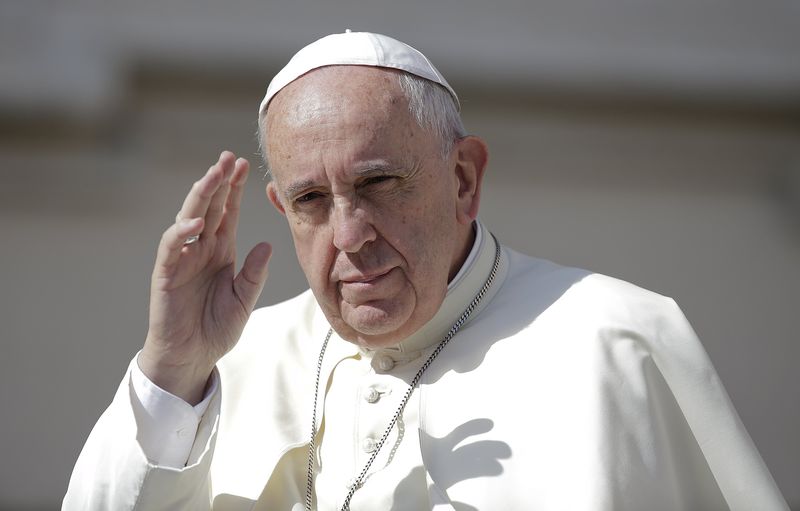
x: 353, y: 111
x: 336, y: 91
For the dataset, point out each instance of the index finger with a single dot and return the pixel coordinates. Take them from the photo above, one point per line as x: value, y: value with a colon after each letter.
x: 199, y: 197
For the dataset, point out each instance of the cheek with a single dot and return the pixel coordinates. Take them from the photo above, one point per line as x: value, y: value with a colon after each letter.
x: 418, y: 243
x: 433, y: 241
x: 314, y: 253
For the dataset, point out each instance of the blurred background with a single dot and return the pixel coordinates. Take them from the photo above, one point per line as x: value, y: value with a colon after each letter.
x: 655, y: 141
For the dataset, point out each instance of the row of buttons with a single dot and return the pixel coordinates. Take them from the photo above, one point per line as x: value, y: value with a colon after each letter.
x: 373, y: 395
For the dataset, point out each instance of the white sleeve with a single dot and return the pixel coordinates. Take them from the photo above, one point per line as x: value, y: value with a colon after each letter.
x: 167, y: 425
x: 114, y: 471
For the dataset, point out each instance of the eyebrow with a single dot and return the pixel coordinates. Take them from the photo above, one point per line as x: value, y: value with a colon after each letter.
x: 379, y: 168
x: 297, y: 187
x: 367, y: 169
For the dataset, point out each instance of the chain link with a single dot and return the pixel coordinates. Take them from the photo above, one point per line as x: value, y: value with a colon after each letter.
x: 311, y: 444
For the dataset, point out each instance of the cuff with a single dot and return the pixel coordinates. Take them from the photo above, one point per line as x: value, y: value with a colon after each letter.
x: 166, y: 424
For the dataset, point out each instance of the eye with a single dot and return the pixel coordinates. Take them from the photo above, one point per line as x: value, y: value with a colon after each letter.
x: 374, y: 180
x: 307, y: 197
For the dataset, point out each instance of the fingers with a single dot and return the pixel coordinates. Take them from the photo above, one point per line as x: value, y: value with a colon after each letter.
x: 216, y: 205
x: 232, y: 206
x: 173, y: 239
x: 212, y: 202
x: 250, y: 281
x: 208, y: 190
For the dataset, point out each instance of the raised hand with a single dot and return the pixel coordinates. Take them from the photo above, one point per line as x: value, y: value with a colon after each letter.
x: 198, y: 304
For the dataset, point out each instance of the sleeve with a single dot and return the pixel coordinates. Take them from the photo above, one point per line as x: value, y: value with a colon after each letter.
x: 167, y: 424
x: 113, y: 471
x: 737, y: 467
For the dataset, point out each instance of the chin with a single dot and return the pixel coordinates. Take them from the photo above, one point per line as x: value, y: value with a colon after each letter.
x: 373, y: 326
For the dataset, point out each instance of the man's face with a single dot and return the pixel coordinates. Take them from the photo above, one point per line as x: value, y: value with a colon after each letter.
x: 371, y: 202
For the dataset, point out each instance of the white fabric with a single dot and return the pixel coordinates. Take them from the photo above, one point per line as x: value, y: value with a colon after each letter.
x: 167, y: 423
x: 355, y: 49
x: 569, y: 390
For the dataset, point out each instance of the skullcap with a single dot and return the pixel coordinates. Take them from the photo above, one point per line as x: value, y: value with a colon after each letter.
x: 355, y: 49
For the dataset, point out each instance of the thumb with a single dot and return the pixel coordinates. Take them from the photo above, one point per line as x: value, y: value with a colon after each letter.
x: 251, y: 278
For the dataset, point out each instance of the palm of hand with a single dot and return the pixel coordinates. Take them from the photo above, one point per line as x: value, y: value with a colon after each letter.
x: 198, y: 306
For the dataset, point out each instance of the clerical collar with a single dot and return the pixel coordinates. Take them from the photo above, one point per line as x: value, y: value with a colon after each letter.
x: 473, y: 253
x: 460, y: 292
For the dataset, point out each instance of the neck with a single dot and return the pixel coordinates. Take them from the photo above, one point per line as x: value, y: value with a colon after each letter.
x: 465, y: 244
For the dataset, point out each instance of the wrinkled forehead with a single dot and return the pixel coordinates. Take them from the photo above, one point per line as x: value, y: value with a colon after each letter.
x: 348, y: 120
x: 338, y: 93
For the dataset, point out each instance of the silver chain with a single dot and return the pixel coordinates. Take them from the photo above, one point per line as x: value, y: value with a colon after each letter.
x: 311, y: 446
x: 355, y: 485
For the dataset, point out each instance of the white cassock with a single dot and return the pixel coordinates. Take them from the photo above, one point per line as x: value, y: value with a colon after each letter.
x: 566, y: 390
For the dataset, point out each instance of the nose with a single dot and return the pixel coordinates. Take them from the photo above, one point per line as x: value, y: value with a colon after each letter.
x: 352, y: 227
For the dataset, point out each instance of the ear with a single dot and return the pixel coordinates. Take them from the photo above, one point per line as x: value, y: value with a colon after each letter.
x: 274, y: 197
x: 471, y: 156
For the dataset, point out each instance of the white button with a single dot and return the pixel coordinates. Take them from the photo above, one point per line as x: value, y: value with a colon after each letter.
x: 368, y: 444
x: 182, y: 433
x: 385, y: 363
x: 372, y: 395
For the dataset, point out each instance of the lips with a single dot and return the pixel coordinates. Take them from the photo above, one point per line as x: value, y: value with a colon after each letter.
x: 363, y: 279
x: 359, y: 289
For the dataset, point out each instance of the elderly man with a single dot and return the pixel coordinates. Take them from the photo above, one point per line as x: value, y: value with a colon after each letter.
x: 428, y: 367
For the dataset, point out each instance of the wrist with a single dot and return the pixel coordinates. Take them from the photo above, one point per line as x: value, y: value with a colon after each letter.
x: 183, y: 379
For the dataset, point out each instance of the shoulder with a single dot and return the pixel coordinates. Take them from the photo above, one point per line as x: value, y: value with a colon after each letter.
x: 571, y: 304
x: 582, y: 291
x: 276, y: 331
x: 294, y: 313
x: 593, y: 323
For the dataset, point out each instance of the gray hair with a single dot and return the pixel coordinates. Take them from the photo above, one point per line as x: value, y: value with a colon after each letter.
x: 434, y: 109
x: 430, y: 104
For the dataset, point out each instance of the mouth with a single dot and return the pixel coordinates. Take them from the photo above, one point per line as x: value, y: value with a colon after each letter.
x: 367, y: 288
x: 364, y: 279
